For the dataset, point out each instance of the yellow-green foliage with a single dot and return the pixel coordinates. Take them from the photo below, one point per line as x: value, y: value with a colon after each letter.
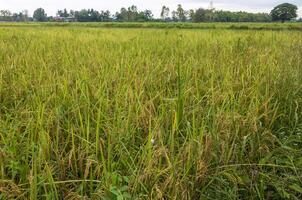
x: 150, y: 114
x: 296, y: 26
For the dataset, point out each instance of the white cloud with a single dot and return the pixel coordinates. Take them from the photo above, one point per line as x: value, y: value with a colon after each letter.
x: 300, y: 11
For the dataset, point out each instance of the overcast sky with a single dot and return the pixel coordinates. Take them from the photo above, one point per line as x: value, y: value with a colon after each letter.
x: 51, y: 6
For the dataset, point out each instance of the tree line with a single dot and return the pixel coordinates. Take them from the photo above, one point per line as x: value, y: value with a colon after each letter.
x: 282, y: 12
x: 6, y: 15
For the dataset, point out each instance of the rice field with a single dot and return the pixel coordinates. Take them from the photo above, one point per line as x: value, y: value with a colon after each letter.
x: 294, y: 26
x: 95, y: 113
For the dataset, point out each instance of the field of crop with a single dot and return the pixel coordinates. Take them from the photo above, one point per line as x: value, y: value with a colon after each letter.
x: 295, y: 26
x: 92, y: 113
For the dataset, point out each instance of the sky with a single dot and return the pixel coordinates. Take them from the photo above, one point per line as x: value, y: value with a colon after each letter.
x: 51, y: 6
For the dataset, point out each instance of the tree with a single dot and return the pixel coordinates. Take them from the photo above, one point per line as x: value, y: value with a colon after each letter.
x: 72, y: 13
x: 144, y: 16
x: 210, y: 14
x: 5, y: 15
x: 89, y: 15
x: 19, y: 17
x: 174, y: 16
x: 181, y: 13
x: 165, y: 11
x: 132, y: 13
x: 284, y: 12
x: 40, y: 15
x: 200, y: 15
x: 63, y: 13
x: 191, y: 14
x: 105, y: 16
x: 94, y: 15
x: 122, y: 15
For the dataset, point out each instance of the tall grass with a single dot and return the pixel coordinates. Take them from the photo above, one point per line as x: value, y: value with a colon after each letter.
x: 150, y: 114
x: 293, y: 26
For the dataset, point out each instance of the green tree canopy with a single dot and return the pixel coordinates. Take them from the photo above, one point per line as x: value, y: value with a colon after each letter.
x: 40, y: 15
x: 181, y: 13
x: 284, y: 12
x: 200, y: 15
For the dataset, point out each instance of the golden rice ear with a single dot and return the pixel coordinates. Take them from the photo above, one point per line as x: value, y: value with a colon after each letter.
x: 88, y: 111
